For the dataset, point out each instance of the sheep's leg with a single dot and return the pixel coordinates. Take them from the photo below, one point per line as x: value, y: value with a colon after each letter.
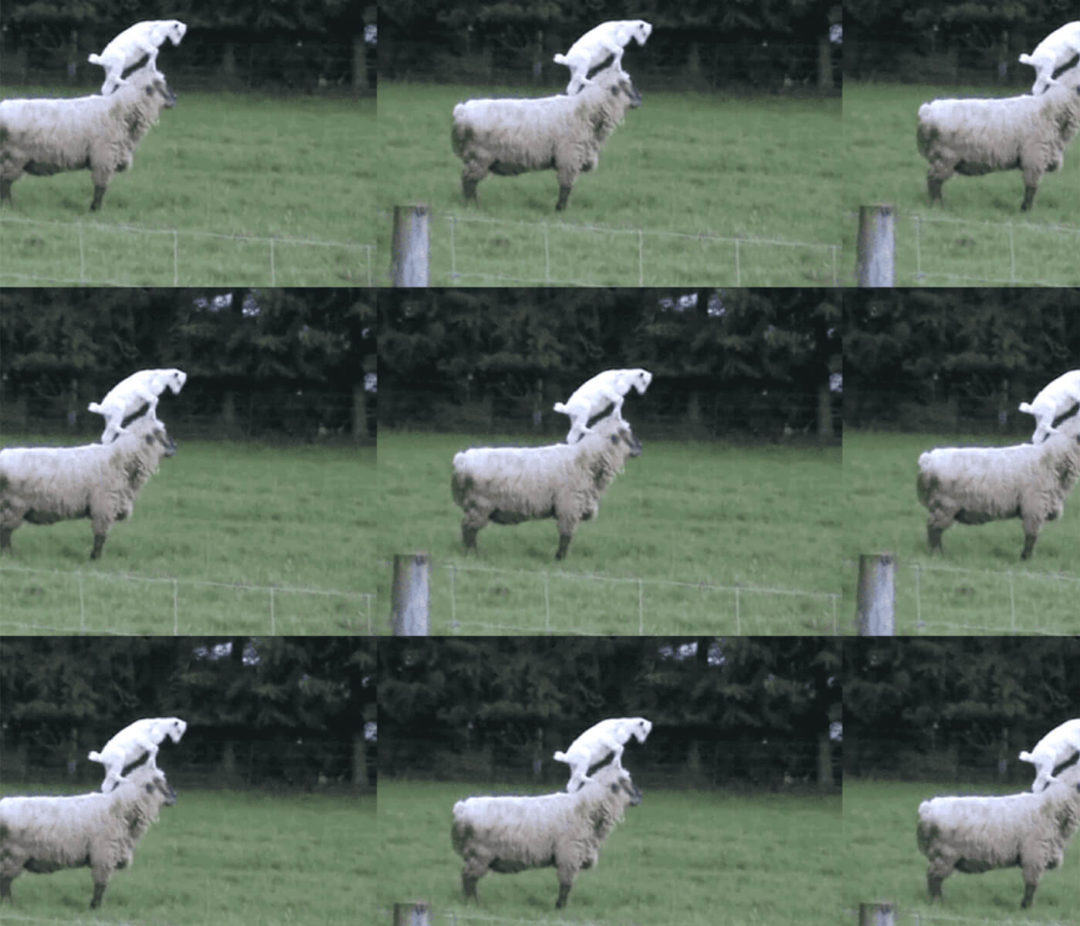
x: 1031, y: 534
x: 933, y: 885
x: 566, y: 881
x: 5, y: 539
x: 5, y: 191
x: 564, y: 195
x: 468, y: 535
x: 99, y: 891
x: 564, y: 544
x: 1031, y: 881
x: 933, y: 188
x: 99, y: 193
x: 99, y: 542
x: 5, y: 888
x: 468, y: 886
x: 933, y: 536
x: 1029, y: 196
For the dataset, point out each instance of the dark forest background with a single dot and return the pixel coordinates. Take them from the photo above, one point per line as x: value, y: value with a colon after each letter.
x: 275, y: 712
x: 948, y: 360
x: 743, y: 712
x: 764, y: 364
x: 954, y: 709
x: 275, y: 363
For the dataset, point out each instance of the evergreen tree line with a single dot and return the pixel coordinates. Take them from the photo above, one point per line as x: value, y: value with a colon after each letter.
x: 954, y: 708
x: 946, y: 359
x: 266, y: 711
x: 259, y: 362
x: 762, y: 362
x: 742, y: 711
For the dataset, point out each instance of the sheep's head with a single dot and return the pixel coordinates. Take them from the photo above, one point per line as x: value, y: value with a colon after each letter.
x: 616, y: 781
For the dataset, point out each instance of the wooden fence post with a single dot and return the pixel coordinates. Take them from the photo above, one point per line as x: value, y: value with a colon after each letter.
x: 417, y: 913
x: 875, y: 253
x: 875, y: 614
x: 877, y: 914
x: 410, y: 251
x: 410, y: 597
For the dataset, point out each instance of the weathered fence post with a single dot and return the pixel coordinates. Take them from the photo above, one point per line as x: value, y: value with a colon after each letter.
x: 877, y: 914
x: 875, y: 605
x: 875, y: 253
x: 410, y: 251
x: 416, y: 913
x: 410, y: 597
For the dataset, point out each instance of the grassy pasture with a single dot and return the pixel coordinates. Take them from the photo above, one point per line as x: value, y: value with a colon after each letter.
x: 683, y: 538
x: 687, y: 163
x: 242, y: 165
x: 884, y: 863
x: 980, y: 236
x: 696, y: 858
x: 218, y: 517
x: 980, y: 585
x: 230, y: 858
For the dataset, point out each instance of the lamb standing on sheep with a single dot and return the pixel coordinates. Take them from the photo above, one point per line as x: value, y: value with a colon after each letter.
x: 596, y: 394
x: 509, y: 485
x: 977, y: 136
x: 43, y: 485
x: 973, y: 485
x: 42, y: 137
x: 1057, y: 747
x: 596, y: 45
x: 976, y: 834
x: 1054, y: 400
x: 45, y: 834
x: 143, y: 38
x: 512, y: 834
x: 564, y: 133
x: 1056, y: 50
x: 142, y: 736
x: 608, y: 737
x: 131, y: 394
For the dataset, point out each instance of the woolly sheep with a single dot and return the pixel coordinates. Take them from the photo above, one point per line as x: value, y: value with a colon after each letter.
x: 142, y: 736
x: 100, y: 133
x: 564, y: 133
x: 143, y: 38
x: 1054, y: 400
x: 45, y: 834
x: 978, y: 136
x: 608, y: 737
x: 129, y: 395
x: 511, y: 834
x: 43, y: 485
x: 976, y: 834
x: 594, y: 47
x: 973, y: 485
x: 1057, y: 747
x: 1057, y: 49
x: 596, y: 394
x: 509, y: 485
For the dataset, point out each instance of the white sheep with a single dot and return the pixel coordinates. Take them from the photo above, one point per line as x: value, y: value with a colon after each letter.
x: 143, y: 38
x: 131, y: 394
x: 978, y: 136
x: 142, y: 736
x: 1053, y: 400
x: 596, y: 394
x: 563, y: 133
x: 509, y: 485
x: 1057, y: 747
x: 43, y: 485
x: 512, y: 834
x: 976, y: 834
x: 1057, y: 49
x: 973, y: 485
x: 45, y: 834
x: 100, y: 133
x: 608, y: 737
x: 596, y: 45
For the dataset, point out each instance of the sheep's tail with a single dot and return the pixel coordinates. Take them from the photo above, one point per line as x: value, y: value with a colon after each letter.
x: 560, y: 59
x: 94, y: 59
x: 1026, y: 407
x: 94, y: 756
x: 560, y: 756
x: 559, y: 407
x: 1025, y: 756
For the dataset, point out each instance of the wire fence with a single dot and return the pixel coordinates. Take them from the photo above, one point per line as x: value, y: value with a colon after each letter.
x: 468, y: 599
x: 89, y: 606
x: 917, y: 918
x: 651, y: 257
x: 269, y: 260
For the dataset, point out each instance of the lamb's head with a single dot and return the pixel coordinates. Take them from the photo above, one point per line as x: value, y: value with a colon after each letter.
x: 174, y: 728
x: 641, y: 380
x: 175, y: 380
x: 174, y: 30
x: 640, y: 30
x: 641, y: 728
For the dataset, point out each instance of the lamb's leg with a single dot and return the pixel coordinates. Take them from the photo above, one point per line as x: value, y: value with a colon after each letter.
x: 616, y: 759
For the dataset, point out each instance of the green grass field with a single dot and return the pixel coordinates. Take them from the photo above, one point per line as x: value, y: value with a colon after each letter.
x: 884, y: 863
x: 229, y: 164
x: 980, y: 236
x: 678, y: 531
x: 217, y: 518
x: 686, y: 163
x: 696, y: 858
x: 229, y: 858
x: 980, y: 585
